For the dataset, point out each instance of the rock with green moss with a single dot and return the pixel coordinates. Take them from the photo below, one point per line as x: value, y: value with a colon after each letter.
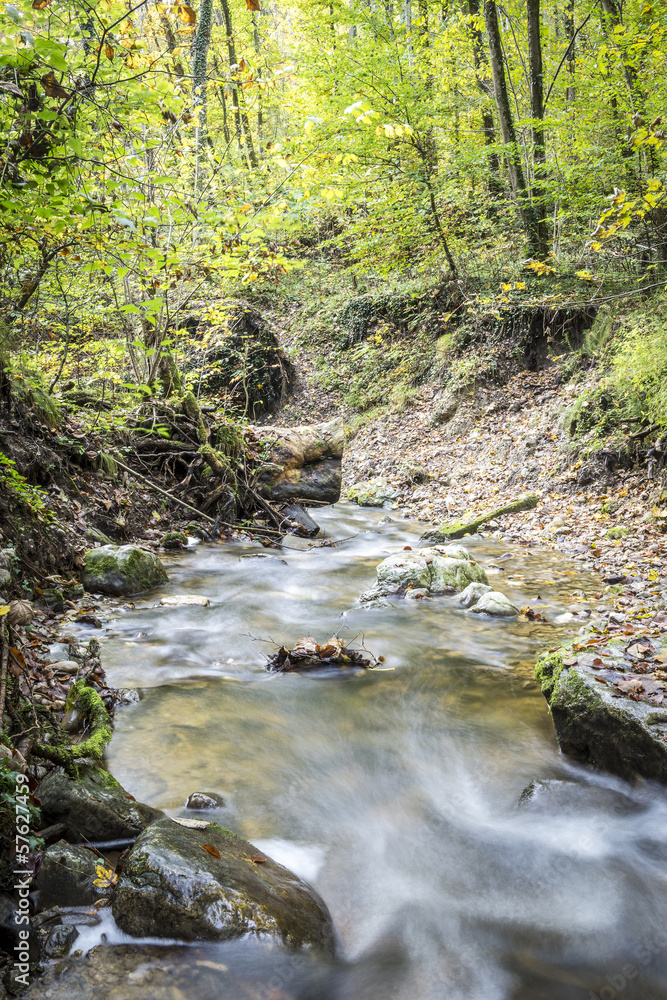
x: 373, y: 493
x: 615, y: 533
x: 122, y: 570
x: 604, y: 712
x: 94, y: 806
x: 437, y: 569
x: 211, y: 885
x: 174, y: 540
x: 66, y: 876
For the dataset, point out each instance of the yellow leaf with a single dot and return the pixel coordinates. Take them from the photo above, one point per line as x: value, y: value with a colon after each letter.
x: 519, y: 285
x: 504, y: 287
x: 4, y: 610
x: 186, y: 14
x: 585, y: 275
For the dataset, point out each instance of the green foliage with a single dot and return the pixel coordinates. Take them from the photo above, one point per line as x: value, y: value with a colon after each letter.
x: 14, y: 801
x: 24, y: 493
x: 639, y: 364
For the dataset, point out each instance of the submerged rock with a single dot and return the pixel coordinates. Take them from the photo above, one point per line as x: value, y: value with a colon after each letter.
x: 604, y: 712
x: 122, y: 569
x: 204, y: 800
x: 177, y: 600
x: 553, y: 795
x: 211, y: 885
x: 66, y: 876
x: 495, y: 604
x: 94, y: 806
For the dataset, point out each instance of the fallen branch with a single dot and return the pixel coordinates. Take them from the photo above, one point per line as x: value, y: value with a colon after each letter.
x: 3, y: 673
x: 169, y: 496
x: 457, y: 529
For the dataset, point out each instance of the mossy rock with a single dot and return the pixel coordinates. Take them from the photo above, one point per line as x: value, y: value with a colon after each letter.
x: 438, y: 569
x: 594, y: 722
x: 204, y: 885
x: 174, y: 540
x: 94, y: 806
x: 372, y: 493
x: 617, y: 532
x: 122, y: 569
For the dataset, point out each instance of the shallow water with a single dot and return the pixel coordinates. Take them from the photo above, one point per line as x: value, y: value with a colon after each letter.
x: 393, y: 791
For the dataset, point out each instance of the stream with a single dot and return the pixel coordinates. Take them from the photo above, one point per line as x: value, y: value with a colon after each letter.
x: 393, y: 791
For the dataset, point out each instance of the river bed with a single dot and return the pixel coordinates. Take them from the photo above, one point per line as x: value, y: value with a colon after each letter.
x: 394, y: 791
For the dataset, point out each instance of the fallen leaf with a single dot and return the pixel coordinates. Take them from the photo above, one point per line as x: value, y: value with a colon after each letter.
x: 211, y: 850
x: 630, y: 685
x: 191, y: 824
x: 570, y: 662
x: 257, y: 859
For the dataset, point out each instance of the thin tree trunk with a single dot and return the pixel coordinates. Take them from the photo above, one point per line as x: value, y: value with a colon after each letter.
x: 537, y: 114
x: 199, y: 85
x: 241, y: 117
x: 571, y: 92
x: 488, y: 127
x: 512, y: 154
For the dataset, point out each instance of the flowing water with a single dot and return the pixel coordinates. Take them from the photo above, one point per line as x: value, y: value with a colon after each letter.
x: 393, y: 791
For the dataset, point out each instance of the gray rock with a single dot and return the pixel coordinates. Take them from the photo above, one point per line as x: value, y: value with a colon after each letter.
x: 437, y: 569
x: 594, y: 721
x: 171, y: 886
x: 66, y: 876
x: 372, y: 493
x: 305, y: 462
x: 122, y: 569
x: 59, y: 941
x: 496, y: 604
x: 445, y: 410
x: 204, y: 800
x: 472, y: 594
x: 5, y: 578
x: 94, y: 806
x: 304, y: 523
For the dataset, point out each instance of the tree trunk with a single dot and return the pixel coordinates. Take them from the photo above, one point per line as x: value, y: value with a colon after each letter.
x: 488, y: 127
x: 199, y: 84
x: 240, y: 115
x: 512, y: 154
x: 537, y: 114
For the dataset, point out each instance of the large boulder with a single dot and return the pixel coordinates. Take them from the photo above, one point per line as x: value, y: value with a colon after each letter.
x: 122, y: 569
x: 604, y: 710
x: 303, y: 463
x: 234, y: 337
x: 94, y: 806
x: 207, y: 884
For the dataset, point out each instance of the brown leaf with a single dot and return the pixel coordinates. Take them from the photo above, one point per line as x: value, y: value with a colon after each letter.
x: 108, y: 51
x: 257, y: 859
x: 40, y: 4
x: 630, y: 685
x: 252, y: 4
x: 211, y: 850
x: 18, y: 656
x: 52, y: 87
x: 11, y: 88
x: 570, y: 662
x: 186, y: 14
